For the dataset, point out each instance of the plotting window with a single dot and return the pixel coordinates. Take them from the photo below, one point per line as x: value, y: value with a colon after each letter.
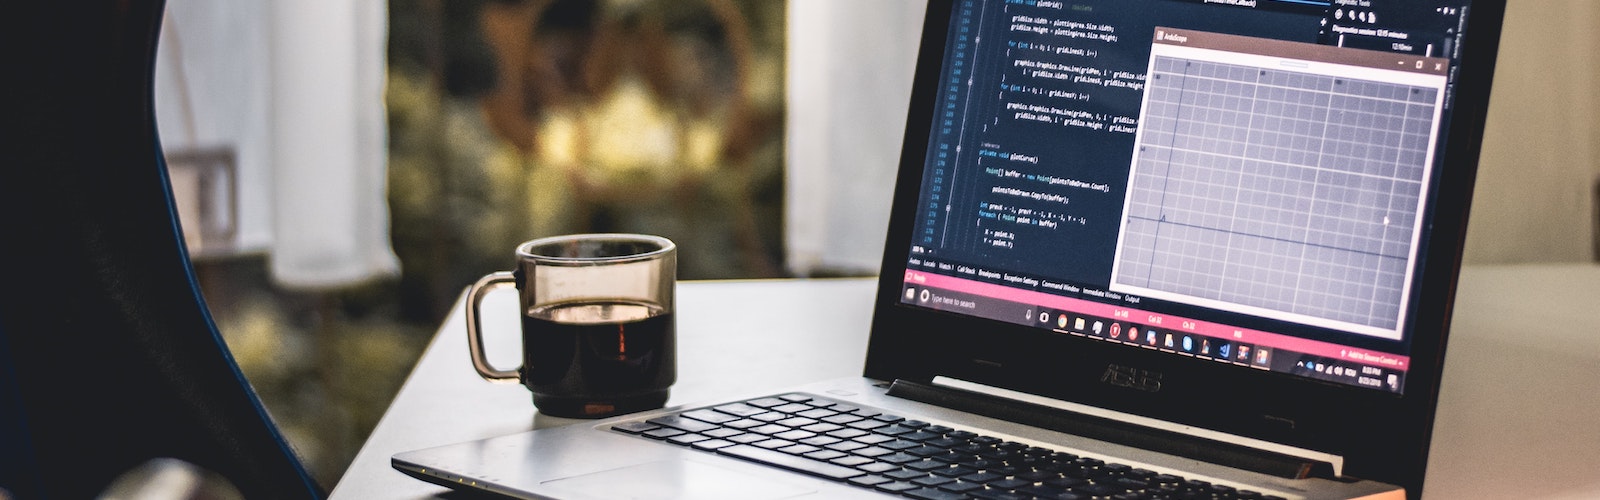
x: 1280, y: 179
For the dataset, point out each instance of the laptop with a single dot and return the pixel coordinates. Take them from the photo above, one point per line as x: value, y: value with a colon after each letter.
x: 1137, y: 249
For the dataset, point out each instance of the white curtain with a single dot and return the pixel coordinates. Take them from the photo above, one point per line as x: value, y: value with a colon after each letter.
x: 210, y: 65
x: 331, y: 218
x: 849, y: 70
x: 295, y: 87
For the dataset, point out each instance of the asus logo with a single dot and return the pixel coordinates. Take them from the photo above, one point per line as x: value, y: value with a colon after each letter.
x: 1132, y: 378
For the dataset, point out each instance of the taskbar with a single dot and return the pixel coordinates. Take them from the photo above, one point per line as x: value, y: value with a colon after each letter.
x: 1159, y: 332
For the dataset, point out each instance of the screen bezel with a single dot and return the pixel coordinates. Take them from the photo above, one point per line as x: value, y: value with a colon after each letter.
x: 915, y: 343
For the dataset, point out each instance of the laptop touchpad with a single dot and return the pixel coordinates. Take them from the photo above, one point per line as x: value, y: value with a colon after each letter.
x: 669, y: 479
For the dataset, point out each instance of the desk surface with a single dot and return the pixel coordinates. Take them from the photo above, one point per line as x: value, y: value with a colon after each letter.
x: 1518, y: 416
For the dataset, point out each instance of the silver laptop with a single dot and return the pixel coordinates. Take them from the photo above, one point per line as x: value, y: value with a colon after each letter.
x: 1138, y: 249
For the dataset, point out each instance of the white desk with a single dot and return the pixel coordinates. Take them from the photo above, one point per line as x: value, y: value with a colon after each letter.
x: 1519, y: 413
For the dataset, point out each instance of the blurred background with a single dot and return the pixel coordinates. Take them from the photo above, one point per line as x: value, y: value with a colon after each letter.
x: 345, y: 168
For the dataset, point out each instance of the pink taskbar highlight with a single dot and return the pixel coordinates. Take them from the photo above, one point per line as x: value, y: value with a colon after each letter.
x: 1165, y: 322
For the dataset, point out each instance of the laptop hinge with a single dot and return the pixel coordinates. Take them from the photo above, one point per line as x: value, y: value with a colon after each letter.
x: 1103, y: 429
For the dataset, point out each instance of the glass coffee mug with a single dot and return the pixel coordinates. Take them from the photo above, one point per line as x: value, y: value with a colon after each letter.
x: 598, y: 332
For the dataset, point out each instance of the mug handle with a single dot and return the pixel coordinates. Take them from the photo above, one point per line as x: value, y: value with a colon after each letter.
x: 480, y: 361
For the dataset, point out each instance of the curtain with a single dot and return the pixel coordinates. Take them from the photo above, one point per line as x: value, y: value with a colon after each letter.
x: 293, y: 90
x: 850, y: 67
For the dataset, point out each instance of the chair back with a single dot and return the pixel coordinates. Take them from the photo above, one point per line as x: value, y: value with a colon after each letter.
x: 108, y: 355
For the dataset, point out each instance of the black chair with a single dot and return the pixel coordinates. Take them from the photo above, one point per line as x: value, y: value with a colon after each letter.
x: 108, y: 356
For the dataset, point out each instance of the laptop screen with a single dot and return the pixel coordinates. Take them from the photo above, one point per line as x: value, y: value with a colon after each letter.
x: 1242, y: 182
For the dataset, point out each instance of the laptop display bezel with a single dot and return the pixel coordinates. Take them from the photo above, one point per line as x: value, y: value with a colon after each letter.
x: 1382, y: 436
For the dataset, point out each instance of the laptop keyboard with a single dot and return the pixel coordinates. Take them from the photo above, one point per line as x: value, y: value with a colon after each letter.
x: 873, y: 449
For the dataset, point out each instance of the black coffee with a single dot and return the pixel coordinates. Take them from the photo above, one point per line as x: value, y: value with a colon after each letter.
x: 598, y: 358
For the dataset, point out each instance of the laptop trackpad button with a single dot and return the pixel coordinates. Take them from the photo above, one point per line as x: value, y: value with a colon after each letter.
x: 669, y: 479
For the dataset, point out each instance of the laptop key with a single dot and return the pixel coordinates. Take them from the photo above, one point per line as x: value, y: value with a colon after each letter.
x: 745, y: 424
x: 946, y: 442
x: 801, y: 449
x: 766, y: 402
x: 687, y: 438
x: 852, y: 461
x: 792, y: 408
x: 1132, y: 484
x: 739, y: 409
x: 932, y: 481
x: 635, y: 427
x: 821, y: 440
x: 960, y: 486
x: 662, y: 433
x: 866, y: 424
x: 895, y: 486
x: 683, y: 424
x: 1004, y: 470
x: 1065, y: 482
x: 918, y: 436
x: 906, y: 474
x: 712, y: 444
x: 869, y: 481
x: 1098, y: 489
x: 1038, y: 476
x: 955, y: 471
x: 1167, y: 479
x: 899, y: 444
x: 1041, y: 491
x: 791, y: 462
x: 925, y: 451
x: 927, y: 493
x: 769, y: 429
x: 773, y: 444
x: 795, y: 435
x: 894, y: 429
x: 817, y: 413
x: 896, y: 457
x: 993, y: 494
x: 710, y: 416
x: 877, y: 439
x: 770, y: 416
x: 926, y: 465
x: 821, y: 427
x: 825, y: 455
x: 982, y: 477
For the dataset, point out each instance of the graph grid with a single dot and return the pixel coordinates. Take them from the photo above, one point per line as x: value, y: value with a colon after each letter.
x: 1288, y: 191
